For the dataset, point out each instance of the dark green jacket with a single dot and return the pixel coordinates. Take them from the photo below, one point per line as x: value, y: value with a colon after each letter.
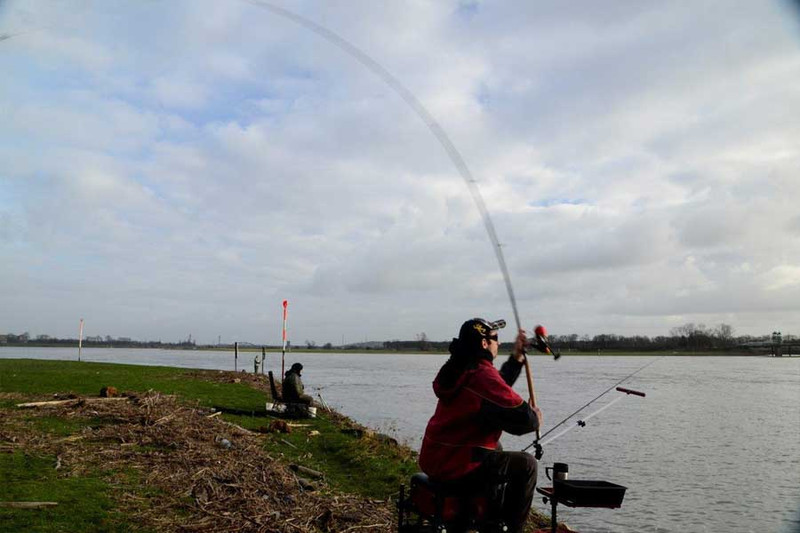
x: 293, y: 391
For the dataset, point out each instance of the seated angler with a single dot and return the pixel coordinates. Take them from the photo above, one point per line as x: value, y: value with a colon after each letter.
x: 293, y: 391
x: 476, y: 404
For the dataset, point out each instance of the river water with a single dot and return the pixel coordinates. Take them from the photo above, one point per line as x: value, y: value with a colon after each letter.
x: 714, y: 447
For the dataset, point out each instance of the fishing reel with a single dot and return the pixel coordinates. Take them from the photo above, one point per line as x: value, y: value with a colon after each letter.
x: 540, y: 343
x: 538, y: 451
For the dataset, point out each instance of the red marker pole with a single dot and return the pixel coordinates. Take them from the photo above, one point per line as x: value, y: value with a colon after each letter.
x: 283, y: 353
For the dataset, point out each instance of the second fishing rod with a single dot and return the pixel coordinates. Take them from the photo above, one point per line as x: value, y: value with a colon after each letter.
x: 536, y: 444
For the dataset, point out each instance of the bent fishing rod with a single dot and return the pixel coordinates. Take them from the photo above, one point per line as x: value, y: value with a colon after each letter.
x: 536, y: 443
x: 437, y: 131
x: 433, y: 125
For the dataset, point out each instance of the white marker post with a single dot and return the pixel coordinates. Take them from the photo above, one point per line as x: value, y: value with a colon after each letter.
x: 80, y: 340
x: 283, y: 352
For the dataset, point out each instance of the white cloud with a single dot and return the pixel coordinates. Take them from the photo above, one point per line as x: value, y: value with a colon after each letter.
x: 160, y: 160
x: 179, y: 92
x: 782, y: 277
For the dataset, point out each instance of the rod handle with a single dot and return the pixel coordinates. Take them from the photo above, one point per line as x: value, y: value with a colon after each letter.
x: 529, y: 377
x: 631, y: 391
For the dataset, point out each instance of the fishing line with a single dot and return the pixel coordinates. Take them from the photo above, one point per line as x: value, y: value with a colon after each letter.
x: 590, y: 402
x: 422, y: 113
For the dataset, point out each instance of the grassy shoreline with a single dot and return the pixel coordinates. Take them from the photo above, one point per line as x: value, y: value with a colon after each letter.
x: 188, y: 448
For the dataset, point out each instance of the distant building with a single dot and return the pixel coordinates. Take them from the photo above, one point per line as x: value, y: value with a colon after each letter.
x: 3, y: 339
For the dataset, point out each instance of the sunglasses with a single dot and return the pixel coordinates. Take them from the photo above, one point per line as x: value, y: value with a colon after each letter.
x: 493, y: 337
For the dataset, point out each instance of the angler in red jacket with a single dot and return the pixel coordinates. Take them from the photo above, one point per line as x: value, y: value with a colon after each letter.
x: 476, y: 404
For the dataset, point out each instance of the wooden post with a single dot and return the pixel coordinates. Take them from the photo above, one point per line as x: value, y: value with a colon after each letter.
x: 235, y: 356
x: 263, y: 357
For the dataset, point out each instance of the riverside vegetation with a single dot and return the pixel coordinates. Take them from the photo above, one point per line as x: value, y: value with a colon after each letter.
x: 184, y: 450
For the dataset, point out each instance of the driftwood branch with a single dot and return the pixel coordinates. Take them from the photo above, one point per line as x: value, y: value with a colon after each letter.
x: 28, y: 505
x: 236, y: 427
x: 300, y: 469
x: 369, y: 526
x: 56, y: 403
x: 305, y: 484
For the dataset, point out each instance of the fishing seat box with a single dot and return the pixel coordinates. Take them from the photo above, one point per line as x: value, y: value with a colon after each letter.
x: 588, y: 493
x: 446, y: 502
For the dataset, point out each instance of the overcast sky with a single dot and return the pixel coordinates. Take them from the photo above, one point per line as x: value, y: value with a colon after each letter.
x: 170, y: 168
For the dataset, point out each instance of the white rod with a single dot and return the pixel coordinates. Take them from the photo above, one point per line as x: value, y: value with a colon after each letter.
x: 80, y: 340
x: 570, y: 428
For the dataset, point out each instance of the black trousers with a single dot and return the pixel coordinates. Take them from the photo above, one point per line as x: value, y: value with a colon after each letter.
x: 304, y: 399
x: 518, y: 470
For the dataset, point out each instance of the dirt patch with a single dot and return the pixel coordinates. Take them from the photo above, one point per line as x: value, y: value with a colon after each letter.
x: 209, y: 475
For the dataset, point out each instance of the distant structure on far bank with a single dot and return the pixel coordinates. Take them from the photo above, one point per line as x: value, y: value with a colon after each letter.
x: 777, y: 346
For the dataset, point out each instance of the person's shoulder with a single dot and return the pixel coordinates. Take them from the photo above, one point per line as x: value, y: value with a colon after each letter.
x: 490, y: 385
x: 486, y: 372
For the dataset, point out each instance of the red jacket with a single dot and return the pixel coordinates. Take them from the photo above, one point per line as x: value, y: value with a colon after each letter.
x: 470, y: 417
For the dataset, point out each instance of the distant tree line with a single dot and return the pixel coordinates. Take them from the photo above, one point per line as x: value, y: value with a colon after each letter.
x: 98, y: 341
x: 689, y: 337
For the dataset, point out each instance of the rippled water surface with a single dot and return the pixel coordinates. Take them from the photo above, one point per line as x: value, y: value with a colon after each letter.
x: 714, y: 447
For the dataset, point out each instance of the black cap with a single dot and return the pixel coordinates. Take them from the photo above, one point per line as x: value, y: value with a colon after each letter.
x: 475, y: 329
x: 297, y: 367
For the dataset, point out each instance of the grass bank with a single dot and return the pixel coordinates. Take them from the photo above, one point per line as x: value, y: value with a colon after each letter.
x: 188, y: 450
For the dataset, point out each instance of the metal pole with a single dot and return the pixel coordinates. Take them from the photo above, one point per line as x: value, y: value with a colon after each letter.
x: 235, y: 356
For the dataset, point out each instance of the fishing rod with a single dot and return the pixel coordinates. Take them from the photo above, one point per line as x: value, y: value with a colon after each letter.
x: 433, y: 125
x: 438, y: 132
x: 536, y: 442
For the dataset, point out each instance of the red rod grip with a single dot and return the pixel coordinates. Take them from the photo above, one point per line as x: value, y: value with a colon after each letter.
x: 631, y: 391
